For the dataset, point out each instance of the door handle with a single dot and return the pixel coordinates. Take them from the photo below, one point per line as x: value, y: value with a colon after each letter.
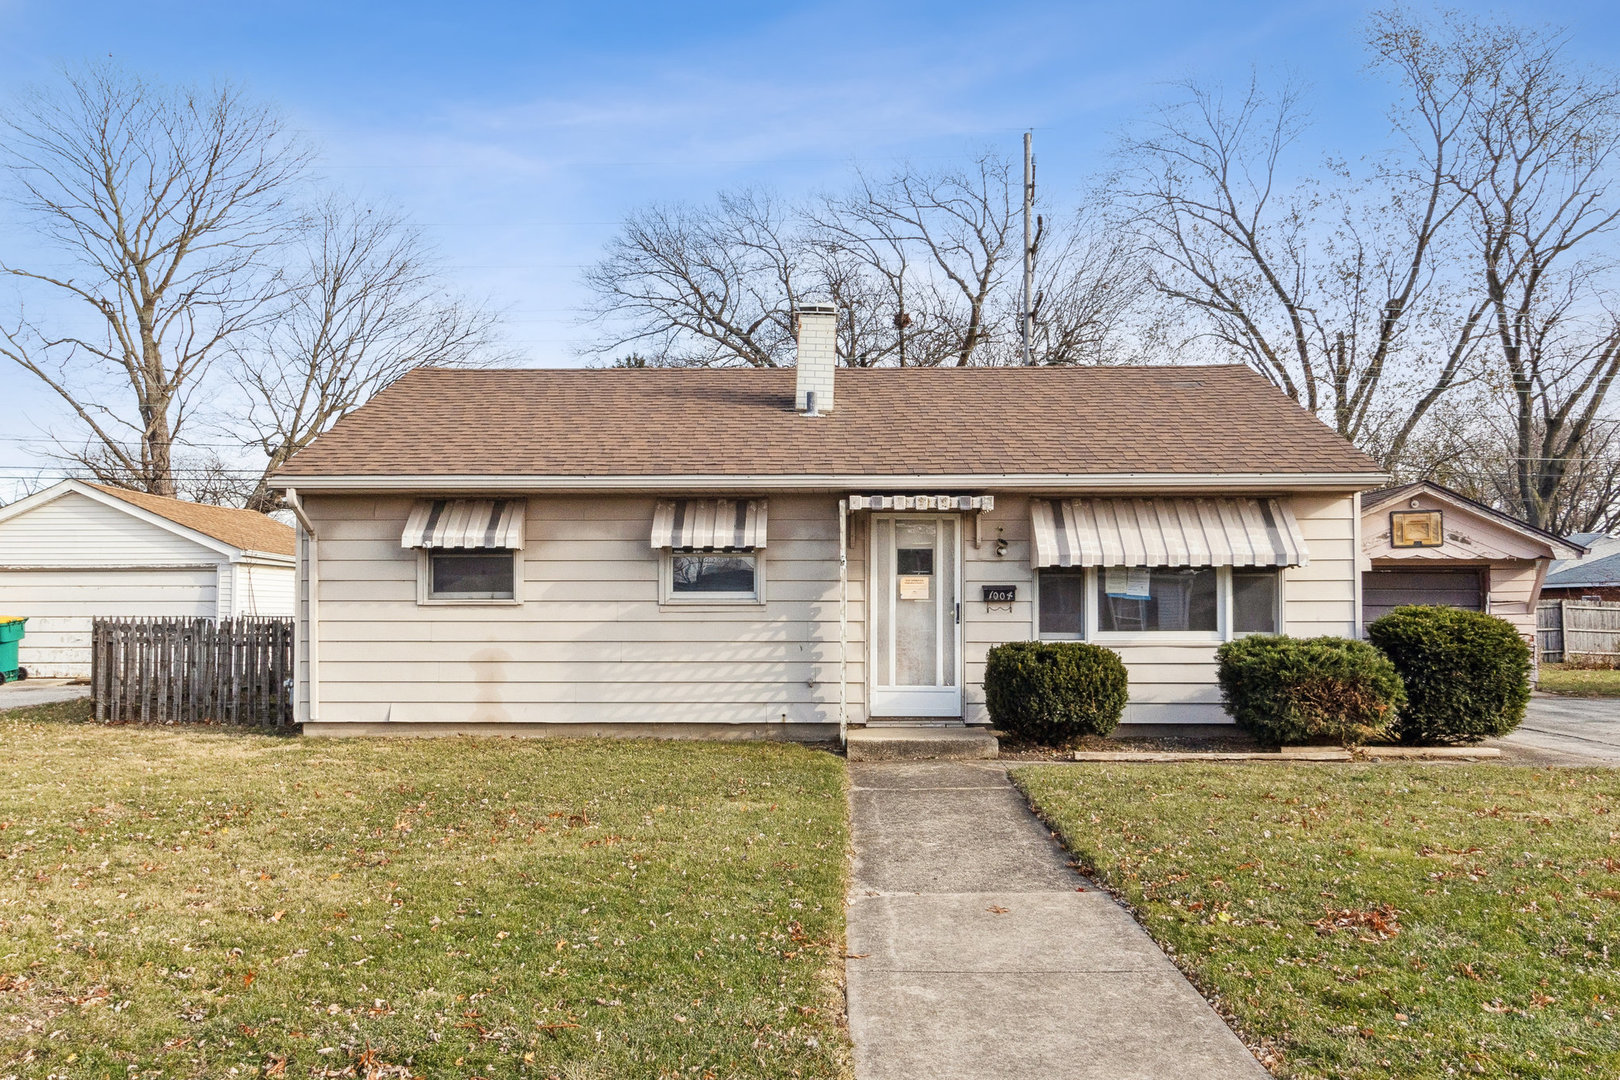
x: 959, y: 613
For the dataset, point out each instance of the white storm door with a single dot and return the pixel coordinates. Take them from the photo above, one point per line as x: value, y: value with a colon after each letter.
x: 916, y: 616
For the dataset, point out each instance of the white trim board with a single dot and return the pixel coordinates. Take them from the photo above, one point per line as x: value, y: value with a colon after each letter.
x: 1053, y: 483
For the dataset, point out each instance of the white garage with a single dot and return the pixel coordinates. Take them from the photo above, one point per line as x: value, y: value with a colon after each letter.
x: 77, y: 551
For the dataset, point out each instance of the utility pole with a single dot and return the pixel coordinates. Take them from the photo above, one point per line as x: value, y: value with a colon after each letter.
x: 1027, y: 323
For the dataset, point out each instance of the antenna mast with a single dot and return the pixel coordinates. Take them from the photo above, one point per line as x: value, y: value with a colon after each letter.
x: 1027, y: 322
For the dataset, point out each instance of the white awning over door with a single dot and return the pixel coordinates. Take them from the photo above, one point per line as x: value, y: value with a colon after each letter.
x: 465, y: 523
x: 922, y: 502
x: 1165, y: 532
x: 709, y: 524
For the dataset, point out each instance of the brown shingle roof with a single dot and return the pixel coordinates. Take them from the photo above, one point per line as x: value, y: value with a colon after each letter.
x: 245, y: 529
x: 888, y: 421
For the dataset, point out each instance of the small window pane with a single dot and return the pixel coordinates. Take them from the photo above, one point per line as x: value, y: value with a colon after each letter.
x: 713, y: 574
x: 915, y: 560
x: 471, y: 575
x: 1178, y: 599
x: 1254, y: 602
x: 1063, y: 603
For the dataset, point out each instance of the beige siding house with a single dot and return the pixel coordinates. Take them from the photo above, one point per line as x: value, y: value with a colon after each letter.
x: 77, y: 551
x: 785, y: 553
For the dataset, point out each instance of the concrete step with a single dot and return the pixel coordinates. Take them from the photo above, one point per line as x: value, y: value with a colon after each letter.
x: 921, y: 744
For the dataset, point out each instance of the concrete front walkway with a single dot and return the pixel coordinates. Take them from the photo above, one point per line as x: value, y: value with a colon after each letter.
x: 977, y: 952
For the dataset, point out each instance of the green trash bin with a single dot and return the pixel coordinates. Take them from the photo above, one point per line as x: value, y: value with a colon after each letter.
x: 11, y: 631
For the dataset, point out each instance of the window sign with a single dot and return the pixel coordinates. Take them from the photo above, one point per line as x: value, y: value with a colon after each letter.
x: 915, y: 586
x: 1128, y: 582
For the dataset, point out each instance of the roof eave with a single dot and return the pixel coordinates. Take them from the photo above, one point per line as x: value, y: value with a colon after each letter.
x: 1046, y: 482
x: 1559, y: 547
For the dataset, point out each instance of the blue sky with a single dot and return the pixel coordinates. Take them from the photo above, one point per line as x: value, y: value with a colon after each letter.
x: 518, y: 134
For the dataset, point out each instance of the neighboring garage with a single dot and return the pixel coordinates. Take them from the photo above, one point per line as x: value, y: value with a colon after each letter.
x: 1425, y: 544
x: 79, y: 551
x: 1382, y: 590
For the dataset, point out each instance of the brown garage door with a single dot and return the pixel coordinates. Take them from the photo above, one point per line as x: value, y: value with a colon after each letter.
x: 1382, y: 590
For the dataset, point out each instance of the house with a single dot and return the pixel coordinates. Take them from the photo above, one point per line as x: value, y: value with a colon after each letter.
x: 1422, y: 543
x: 79, y: 550
x: 1592, y: 576
x: 784, y: 552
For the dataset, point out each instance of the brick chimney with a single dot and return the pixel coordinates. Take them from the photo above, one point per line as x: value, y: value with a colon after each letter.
x: 816, y: 326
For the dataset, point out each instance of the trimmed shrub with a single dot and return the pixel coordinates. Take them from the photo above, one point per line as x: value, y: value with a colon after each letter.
x: 1467, y: 674
x: 1298, y: 690
x: 1053, y: 691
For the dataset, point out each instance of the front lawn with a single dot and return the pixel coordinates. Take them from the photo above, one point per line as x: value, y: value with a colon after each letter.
x: 189, y: 904
x: 1579, y: 682
x: 1373, y: 920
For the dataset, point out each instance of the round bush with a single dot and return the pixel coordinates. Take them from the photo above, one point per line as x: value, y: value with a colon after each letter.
x: 1467, y: 674
x: 1287, y: 690
x: 1053, y: 691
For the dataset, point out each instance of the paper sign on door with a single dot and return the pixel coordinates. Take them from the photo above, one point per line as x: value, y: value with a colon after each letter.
x: 914, y: 586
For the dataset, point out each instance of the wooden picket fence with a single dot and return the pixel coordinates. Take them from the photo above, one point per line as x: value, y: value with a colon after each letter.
x: 188, y: 671
x: 1579, y: 630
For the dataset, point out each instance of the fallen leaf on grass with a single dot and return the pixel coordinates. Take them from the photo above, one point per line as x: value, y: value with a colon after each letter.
x: 1383, y: 922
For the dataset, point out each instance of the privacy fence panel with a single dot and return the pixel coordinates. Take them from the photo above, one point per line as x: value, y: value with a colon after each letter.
x: 1577, y: 630
x: 187, y: 671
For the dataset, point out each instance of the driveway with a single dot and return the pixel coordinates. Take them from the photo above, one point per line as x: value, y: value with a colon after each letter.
x: 15, y: 695
x: 1568, y: 731
x: 977, y: 953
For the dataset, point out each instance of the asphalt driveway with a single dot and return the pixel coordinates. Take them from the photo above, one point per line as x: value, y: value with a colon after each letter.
x: 1565, y: 730
x: 14, y: 695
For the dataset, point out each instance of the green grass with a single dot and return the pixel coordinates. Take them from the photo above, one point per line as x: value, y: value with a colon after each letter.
x: 224, y: 904
x: 1372, y: 921
x: 1579, y: 682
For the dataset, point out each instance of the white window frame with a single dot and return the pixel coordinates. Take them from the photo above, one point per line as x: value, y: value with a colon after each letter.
x: 1281, y: 573
x: 424, y: 585
x: 1085, y: 613
x: 668, y: 597
x: 1223, y: 615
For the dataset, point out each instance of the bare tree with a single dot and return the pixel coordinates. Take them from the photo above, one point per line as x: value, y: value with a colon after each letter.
x: 1546, y: 137
x: 1329, y: 290
x: 1088, y: 294
x: 939, y: 243
x: 162, y: 202
x: 710, y: 285
x: 365, y: 306
x: 915, y: 262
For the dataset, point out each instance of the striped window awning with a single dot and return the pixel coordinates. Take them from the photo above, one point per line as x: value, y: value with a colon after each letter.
x: 1165, y: 532
x: 922, y: 502
x: 465, y: 523
x: 709, y: 524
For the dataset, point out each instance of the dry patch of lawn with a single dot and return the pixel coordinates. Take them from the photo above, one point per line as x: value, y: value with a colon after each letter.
x: 1372, y: 921
x: 1579, y: 682
x: 225, y: 904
